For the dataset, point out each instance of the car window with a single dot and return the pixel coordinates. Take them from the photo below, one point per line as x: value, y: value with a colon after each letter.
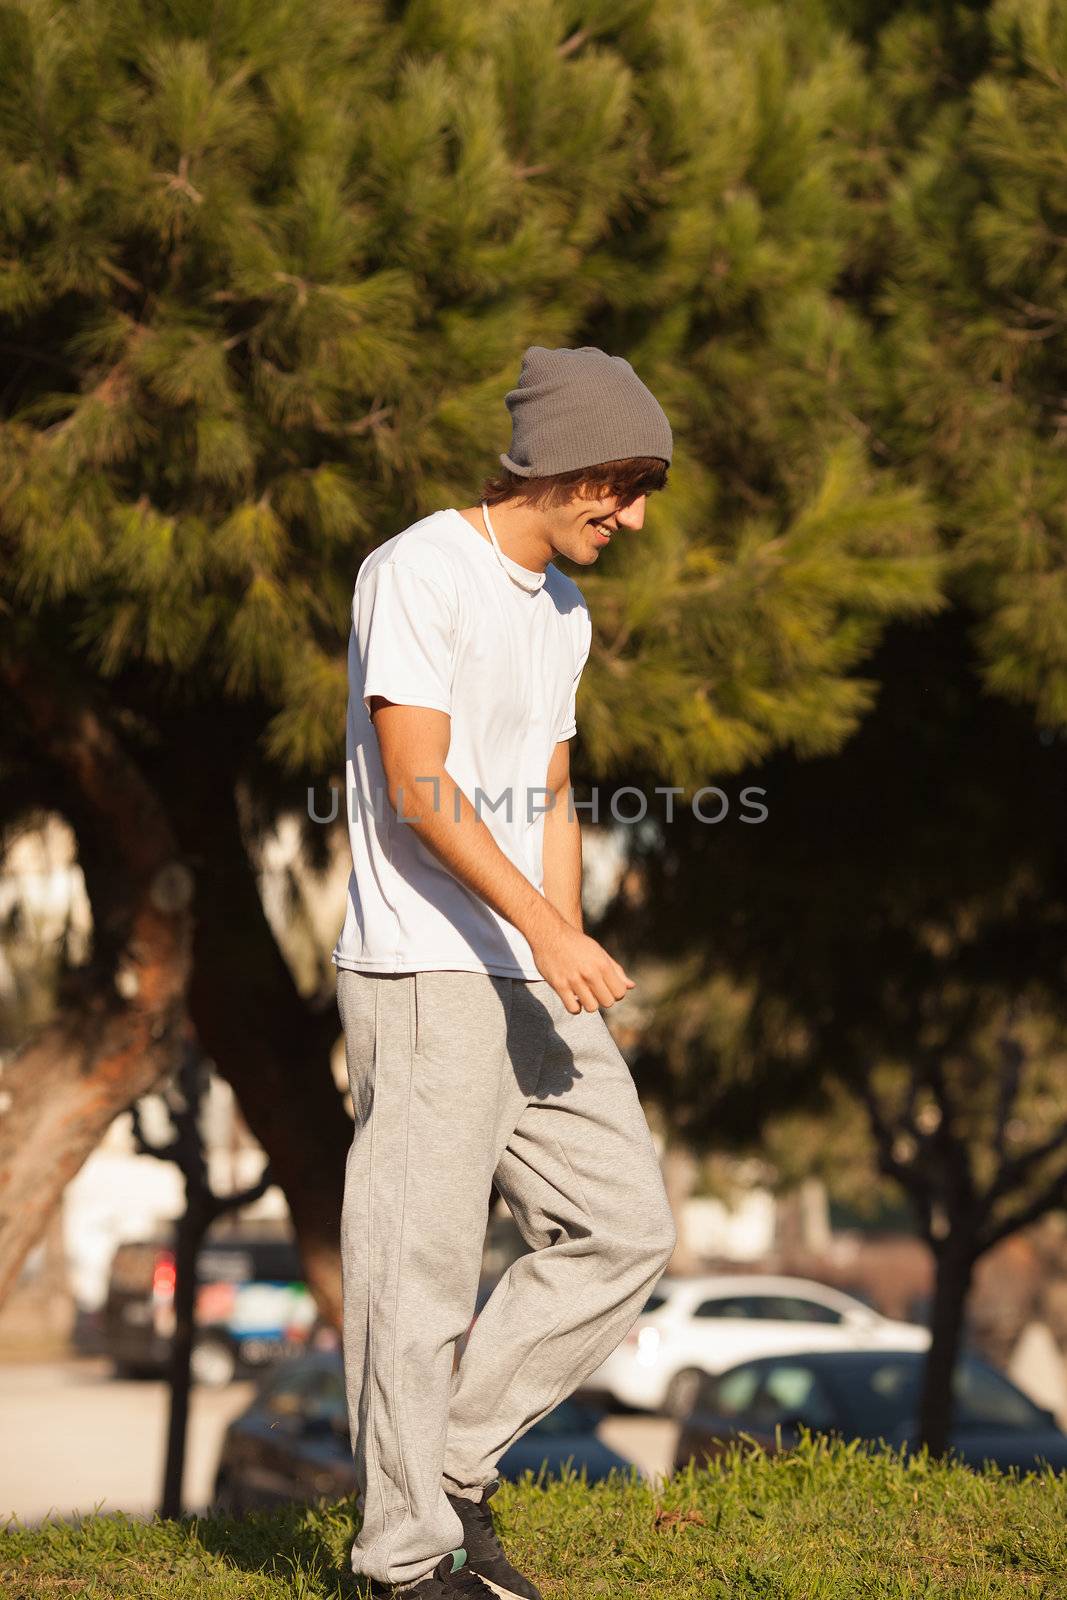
x: 894, y: 1382
x: 257, y: 1261
x: 741, y: 1306
x: 299, y: 1377
x: 792, y: 1393
x: 767, y: 1308
x: 882, y: 1397
x: 306, y: 1390
x: 217, y: 1264
x: 788, y: 1308
x: 286, y: 1396
x: 732, y: 1394
x: 330, y: 1393
x: 982, y: 1398
x: 653, y: 1303
x: 277, y: 1261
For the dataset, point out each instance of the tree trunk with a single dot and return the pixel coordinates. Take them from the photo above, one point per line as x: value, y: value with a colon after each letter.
x: 118, y: 1034
x: 264, y: 1038
x: 954, y: 1265
x: 64, y: 1093
x: 679, y: 1171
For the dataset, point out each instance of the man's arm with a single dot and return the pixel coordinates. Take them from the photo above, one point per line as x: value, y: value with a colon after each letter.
x: 562, y: 850
x: 414, y: 744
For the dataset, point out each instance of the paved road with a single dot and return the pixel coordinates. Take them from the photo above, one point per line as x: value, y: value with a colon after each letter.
x: 649, y: 1441
x: 76, y: 1439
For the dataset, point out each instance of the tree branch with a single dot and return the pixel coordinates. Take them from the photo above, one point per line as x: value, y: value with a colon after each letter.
x: 1015, y: 1171
x: 221, y: 1203
x: 1012, y: 1056
x: 914, y: 1183
x: 573, y: 42
x: 1053, y: 1194
x: 145, y: 1146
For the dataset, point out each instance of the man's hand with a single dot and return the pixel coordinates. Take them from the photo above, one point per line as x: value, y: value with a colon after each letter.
x: 582, y: 973
x: 414, y: 743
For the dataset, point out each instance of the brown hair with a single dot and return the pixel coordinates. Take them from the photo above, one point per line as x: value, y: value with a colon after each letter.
x: 627, y: 479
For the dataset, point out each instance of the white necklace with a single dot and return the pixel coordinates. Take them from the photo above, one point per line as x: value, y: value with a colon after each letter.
x: 521, y: 576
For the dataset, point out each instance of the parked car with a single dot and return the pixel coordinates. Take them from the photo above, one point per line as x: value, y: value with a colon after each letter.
x: 871, y: 1395
x: 252, y: 1304
x: 693, y: 1326
x: 292, y: 1442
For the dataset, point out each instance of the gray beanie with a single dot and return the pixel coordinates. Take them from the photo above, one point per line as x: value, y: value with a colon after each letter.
x: 577, y: 408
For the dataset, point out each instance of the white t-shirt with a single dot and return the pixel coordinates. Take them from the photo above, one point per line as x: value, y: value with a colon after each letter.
x: 438, y: 620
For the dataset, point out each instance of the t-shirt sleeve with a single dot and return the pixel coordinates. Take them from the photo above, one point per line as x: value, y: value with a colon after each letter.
x: 405, y: 627
x: 585, y: 640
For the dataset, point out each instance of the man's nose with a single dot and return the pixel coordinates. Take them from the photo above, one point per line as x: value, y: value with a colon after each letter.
x: 633, y: 515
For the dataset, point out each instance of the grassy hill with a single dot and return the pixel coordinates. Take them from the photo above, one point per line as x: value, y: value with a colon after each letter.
x: 824, y: 1523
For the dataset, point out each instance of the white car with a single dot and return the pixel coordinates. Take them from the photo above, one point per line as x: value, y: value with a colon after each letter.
x: 691, y: 1326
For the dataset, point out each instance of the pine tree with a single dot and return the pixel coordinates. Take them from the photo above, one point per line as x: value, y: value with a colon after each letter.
x: 973, y: 299
x: 266, y: 277
x: 897, y: 922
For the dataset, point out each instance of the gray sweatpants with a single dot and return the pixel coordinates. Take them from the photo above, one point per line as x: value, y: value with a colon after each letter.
x: 458, y: 1078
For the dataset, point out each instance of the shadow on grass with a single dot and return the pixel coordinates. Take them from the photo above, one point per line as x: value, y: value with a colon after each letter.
x: 312, y: 1540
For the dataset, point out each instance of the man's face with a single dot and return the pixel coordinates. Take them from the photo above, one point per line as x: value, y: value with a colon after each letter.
x: 587, y: 524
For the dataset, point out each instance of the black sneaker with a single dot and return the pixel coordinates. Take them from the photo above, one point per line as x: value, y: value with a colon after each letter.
x: 451, y: 1579
x: 484, y: 1553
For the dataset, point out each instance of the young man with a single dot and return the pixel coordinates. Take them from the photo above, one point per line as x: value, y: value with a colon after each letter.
x: 470, y: 995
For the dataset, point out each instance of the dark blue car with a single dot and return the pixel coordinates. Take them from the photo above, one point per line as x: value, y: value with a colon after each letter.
x: 292, y: 1441
x: 873, y: 1396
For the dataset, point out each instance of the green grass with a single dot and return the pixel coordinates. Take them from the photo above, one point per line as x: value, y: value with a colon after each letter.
x: 823, y: 1523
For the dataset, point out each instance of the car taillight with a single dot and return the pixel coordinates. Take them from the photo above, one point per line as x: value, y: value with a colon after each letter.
x: 164, y: 1275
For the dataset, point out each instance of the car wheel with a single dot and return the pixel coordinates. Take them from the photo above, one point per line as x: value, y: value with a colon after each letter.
x: 213, y: 1362
x: 682, y: 1391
